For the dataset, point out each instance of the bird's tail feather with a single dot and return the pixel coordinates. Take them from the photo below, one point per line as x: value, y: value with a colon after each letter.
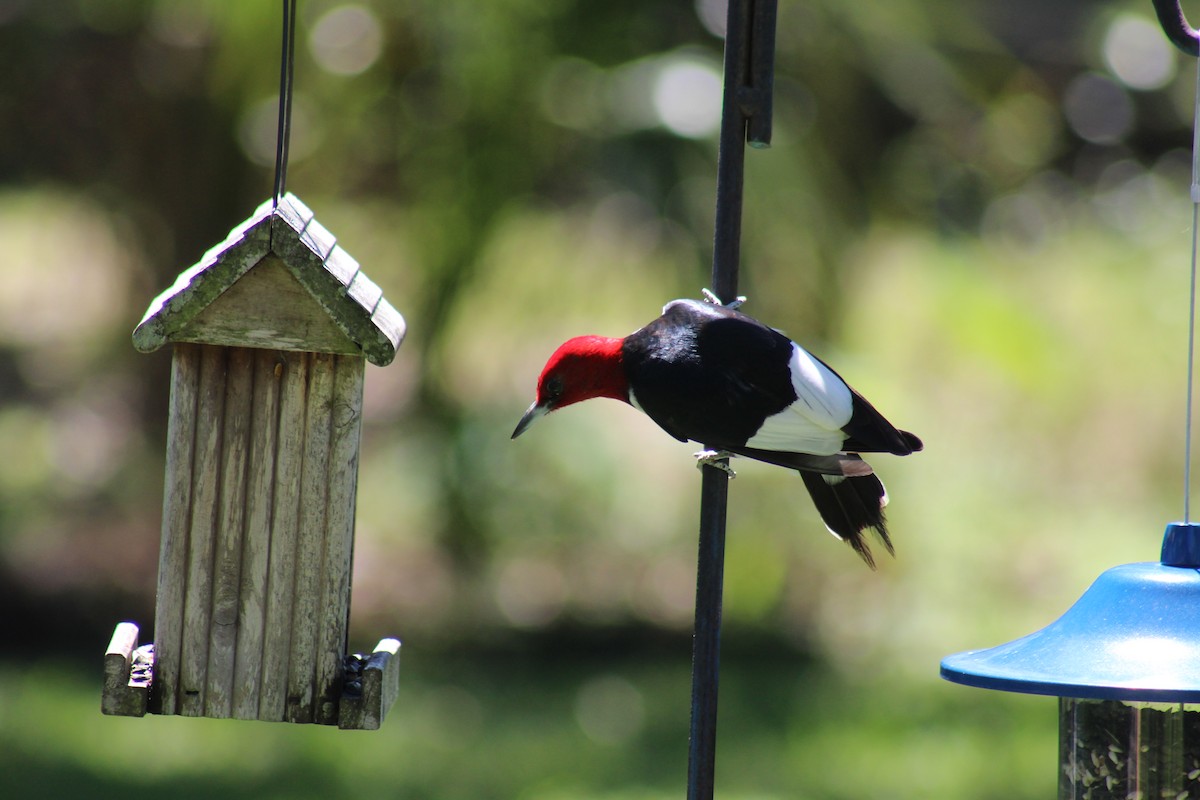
x: 849, y: 506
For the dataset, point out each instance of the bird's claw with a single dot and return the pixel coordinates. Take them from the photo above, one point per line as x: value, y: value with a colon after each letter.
x: 711, y: 297
x: 714, y: 458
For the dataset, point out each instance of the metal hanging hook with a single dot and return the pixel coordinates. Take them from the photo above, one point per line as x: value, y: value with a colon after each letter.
x: 1175, y: 25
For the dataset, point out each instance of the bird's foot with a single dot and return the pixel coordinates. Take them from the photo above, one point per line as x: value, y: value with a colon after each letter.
x: 710, y: 297
x: 715, y: 458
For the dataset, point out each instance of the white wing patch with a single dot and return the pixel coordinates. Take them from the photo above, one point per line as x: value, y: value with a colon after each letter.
x: 813, y: 424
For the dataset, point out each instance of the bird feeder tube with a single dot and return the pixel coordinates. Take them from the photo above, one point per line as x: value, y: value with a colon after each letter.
x: 271, y: 332
x: 1115, y: 749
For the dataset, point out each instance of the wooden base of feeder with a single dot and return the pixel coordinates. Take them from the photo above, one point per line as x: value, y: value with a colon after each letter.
x: 369, y: 686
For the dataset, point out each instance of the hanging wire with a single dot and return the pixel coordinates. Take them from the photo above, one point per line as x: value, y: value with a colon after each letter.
x: 287, y: 63
x: 1182, y: 35
x: 1191, y: 348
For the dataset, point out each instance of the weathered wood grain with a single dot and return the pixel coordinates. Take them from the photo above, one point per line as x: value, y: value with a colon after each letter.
x: 227, y: 547
x: 314, y: 493
x: 268, y: 307
x: 176, y: 523
x: 271, y: 330
x: 329, y: 273
x: 206, y: 465
x: 260, y: 494
x: 198, y: 285
x: 332, y: 627
x: 285, y: 532
x: 258, y: 535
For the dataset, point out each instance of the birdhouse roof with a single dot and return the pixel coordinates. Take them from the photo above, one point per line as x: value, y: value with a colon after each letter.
x: 307, y: 293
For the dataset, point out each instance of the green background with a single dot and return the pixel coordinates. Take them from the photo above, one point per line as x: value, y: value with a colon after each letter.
x: 977, y: 212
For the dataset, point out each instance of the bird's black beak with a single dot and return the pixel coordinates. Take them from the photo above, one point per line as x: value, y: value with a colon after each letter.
x: 531, y: 415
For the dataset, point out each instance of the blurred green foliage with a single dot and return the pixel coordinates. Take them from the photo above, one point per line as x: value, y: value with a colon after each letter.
x: 547, y: 729
x: 977, y: 212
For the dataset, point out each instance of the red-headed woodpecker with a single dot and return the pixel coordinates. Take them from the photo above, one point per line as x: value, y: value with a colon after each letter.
x: 710, y: 374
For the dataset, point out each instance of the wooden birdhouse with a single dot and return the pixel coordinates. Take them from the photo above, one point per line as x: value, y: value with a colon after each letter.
x: 270, y: 331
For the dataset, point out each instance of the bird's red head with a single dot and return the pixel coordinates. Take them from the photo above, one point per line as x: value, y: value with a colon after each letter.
x: 580, y: 369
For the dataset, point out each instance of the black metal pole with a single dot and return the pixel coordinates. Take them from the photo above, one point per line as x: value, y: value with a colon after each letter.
x: 749, y: 56
x: 706, y: 638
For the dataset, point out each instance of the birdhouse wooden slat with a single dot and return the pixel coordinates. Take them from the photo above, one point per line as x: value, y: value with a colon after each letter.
x: 271, y: 331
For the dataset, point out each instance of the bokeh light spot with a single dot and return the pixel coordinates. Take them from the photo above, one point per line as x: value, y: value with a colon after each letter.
x: 712, y: 14
x: 346, y: 40
x: 1098, y: 109
x: 64, y: 274
x: 258, y: 130
x: 1138, y: 54
x: 687, y: 97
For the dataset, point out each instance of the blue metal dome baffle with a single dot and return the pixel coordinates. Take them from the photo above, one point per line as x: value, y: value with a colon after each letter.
x: 1125, y: 663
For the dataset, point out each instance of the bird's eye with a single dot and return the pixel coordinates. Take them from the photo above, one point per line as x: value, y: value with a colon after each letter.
x: 553, y: 387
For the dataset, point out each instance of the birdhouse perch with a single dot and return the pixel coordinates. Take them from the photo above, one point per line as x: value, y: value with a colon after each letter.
x: 270, y: 331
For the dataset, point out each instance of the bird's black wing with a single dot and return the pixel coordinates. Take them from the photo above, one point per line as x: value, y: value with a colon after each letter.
x: 870, y: 432
x: 707, y: 373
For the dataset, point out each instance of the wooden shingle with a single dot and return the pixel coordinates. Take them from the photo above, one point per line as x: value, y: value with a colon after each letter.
x: 306, y: 291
